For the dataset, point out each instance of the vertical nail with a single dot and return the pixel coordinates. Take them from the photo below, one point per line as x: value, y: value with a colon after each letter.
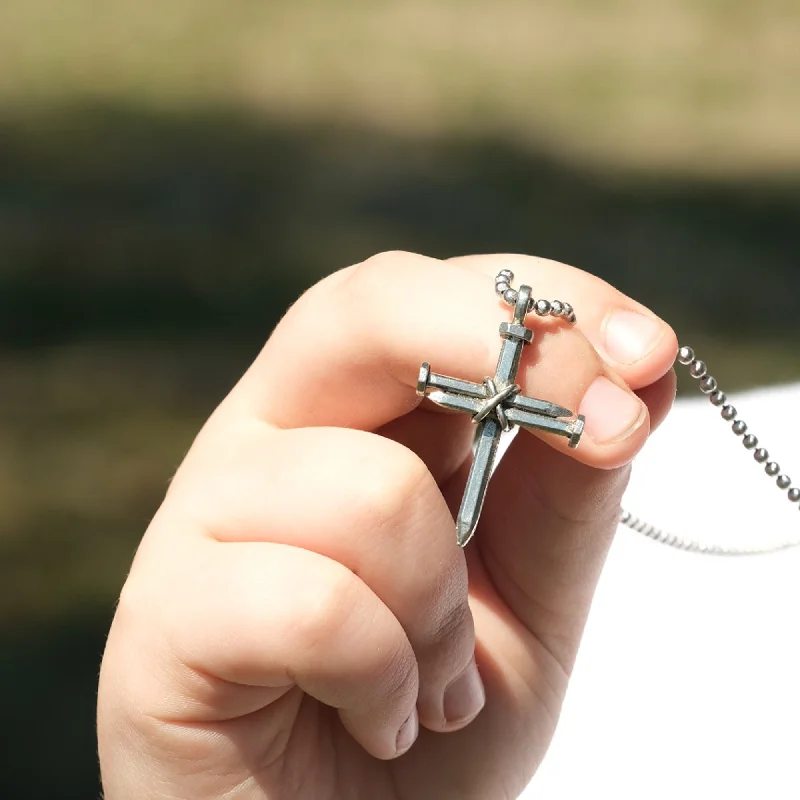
x: 612, y: 414
x: 408, y: 733
x: 629, y: 336
x: 465, y: 697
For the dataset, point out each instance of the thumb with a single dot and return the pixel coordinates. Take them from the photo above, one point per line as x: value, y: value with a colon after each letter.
x: 546, y: 529
x: 547, y: 525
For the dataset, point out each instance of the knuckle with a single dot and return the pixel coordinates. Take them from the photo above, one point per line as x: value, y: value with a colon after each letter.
x: 337, y: 606
x: 323, y: 609
x: 370, y: 276
x: 361, y: 278
x: 454, y: 629
x: 388, y: 259
x: 394, y: 668
x: 393, y: 487
x: 345, y: 293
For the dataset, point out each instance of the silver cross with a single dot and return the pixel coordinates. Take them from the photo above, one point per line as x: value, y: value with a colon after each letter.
x: 496, y: 405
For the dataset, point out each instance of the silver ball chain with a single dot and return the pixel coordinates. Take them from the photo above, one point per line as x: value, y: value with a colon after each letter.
x: 708, y: 385
x: 502, y: 285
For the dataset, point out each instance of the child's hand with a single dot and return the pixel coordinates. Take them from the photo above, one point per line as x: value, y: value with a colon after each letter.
x: 299, y: 605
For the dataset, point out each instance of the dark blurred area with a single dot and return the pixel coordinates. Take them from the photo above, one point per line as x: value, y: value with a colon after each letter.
x: 173, y: 176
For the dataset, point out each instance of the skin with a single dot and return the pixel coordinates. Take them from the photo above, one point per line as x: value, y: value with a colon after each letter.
x: 298, y: 606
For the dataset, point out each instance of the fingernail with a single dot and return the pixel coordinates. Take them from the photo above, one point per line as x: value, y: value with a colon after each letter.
x: 611, y: 413
x: 629, y: 337
x: 465, y: 696
x: 408, y: 733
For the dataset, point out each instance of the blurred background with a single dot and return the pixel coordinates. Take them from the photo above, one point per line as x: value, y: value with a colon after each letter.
x: 173, y: 173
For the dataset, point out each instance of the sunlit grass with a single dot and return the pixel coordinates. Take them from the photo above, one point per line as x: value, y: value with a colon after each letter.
x: 680, y: 84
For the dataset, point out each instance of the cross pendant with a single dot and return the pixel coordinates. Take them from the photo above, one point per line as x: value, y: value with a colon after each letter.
x: 496, y: 405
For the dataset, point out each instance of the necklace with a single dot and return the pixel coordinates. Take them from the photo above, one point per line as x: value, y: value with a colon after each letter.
x: 497, y: 405
x: 729, y: 414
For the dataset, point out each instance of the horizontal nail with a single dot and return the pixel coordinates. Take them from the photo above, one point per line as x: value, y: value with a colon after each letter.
x: 465, y: 696
x: 408, y: 733
x: 611, y: 413
x: 629, y: 337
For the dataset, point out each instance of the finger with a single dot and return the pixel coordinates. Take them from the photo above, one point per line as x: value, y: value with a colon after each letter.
x: 659, y: 398
x: 442, y: 441
x: 546, y: 527
x: 362, y: 371
x: 255, y: 619
x: 387, y: 522
x: 637, y: 345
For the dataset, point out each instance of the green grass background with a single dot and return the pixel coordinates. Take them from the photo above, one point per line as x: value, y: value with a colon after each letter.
x: 174, y: 173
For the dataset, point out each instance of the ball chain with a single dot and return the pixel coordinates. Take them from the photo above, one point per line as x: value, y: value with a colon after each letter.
x: 708, y: 385
x: 502, y: 285
x: 729, y: 413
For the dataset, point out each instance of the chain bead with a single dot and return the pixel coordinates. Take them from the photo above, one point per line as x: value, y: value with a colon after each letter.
x: 510, y: 296
x: 729, y: 413
x: 501, y: 287
x: 784, y: 481
x: 698, y: 368
x: 685, y: 355
x: 568, y: 310
x: 772, y: 469
x: 739, y: 427
x: 708, y: 384
x: 556, y: 308
x: 542, y: 307
x: 761, y: 455
x: 507, y: 274
x: 794, y: 495
x: 718, y: 398
x: 750, y: 442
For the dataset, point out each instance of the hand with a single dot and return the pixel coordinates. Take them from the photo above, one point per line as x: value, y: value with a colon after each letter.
x: 299, y: 624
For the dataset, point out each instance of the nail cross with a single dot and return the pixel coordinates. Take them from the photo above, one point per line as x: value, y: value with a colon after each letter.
x: 496, y: 405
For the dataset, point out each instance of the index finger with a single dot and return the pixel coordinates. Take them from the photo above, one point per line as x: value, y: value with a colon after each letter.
x: 635, y: 342
x: 348, y: 353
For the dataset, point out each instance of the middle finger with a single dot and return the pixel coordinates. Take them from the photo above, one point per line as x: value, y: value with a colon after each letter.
x: 363, y: 501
